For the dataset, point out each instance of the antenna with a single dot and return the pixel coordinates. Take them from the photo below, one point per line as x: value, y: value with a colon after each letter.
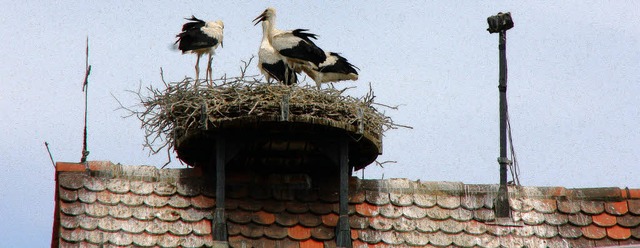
x: 85, y: 89
x: 500, y: 23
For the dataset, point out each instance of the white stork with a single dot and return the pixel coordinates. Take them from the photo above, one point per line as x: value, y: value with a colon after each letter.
x: 335, y: 68
x: 200, y: 37
x: 294, y: 45
x: 272, y: 64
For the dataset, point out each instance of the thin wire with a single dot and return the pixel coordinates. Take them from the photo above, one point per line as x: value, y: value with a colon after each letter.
x: 514, y: 168
x: 85, y: 89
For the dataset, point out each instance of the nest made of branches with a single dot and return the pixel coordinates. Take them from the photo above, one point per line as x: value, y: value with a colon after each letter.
x: 167, y: 114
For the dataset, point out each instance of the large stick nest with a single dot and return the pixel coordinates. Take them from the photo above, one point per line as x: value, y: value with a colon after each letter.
x: 185, y: 106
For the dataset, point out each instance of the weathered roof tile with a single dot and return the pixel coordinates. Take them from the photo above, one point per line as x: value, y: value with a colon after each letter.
x: 356, y: 196
x: 390, y: 211
x: 604, y: 220
x: 239, y: 216
x: 414, y: 212
x: 426, y: 225
x: 309, y: 220
x: 380, y: 223
x: 568, y: 206
x: 119, y: 186
x: 131, y: 199
x: 594, y: 232
x: 580, y: 219
x: 202, y: 201
x: 634, y: 206
x: 322, y: 233
x: 447, y: 201
x: 570, y: 231
x: 180, y: 228
x: 72, y: 181
x: 273, y: 206
x: 330, y: 219
x: 68, y: 195
x: 461, y: 214
x: 72, y: 208
x: 521, y: 204
x: 463, y: 240
x: 69, y: 222
x: 545, y: 206
x: 377, y: 197
x: 94, y: 183
x: 556, y: 219
x: 400, y: 199
x: 87, y: 222
x: 616, y: 208
x: 592, y: 207
x: 440, y: 239
x: 618, y: 232
x: 252, y: 230
x: 164, y: 188
x: 392, y: 238
x: 86, y: 196
x: 472, y: 202
x: 120, y: 211
x: 296, y: 207
x: 403, y: 224
x: 108, y: 198
x: 299, y: 232
x: 532, y: 218
x: 286, y: 219
x: 424, y: 200
x: 628, y: 221
x: 438, y: 213
x: 133, y: 226
x: 451, y: 226
x: 474, y: 227
x: 358, y: 222
x: 184, y: 188
x: 153, y: 200
x: 414, y: 238
x: 366, y: 209
x: 370, y: 236
x: 635, y: 232
x: 484, y: 215
x: 545, y: 231
x: 263, y: 218
x: 202, y: 227
x: 275, y: 232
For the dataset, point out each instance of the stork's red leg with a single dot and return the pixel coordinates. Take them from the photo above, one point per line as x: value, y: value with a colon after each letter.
x: 210, y: 70
x: 197, y: 68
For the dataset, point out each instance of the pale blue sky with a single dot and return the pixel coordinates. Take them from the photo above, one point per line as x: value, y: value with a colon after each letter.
x: 574, y: 81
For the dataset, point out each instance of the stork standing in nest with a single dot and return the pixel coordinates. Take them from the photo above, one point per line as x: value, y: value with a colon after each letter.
x: 295, y: 46
x: 200, y: 37
x: 271, y: 63
x: 335, y: 68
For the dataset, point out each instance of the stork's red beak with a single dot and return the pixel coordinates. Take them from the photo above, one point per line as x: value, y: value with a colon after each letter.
x: 260, y: 18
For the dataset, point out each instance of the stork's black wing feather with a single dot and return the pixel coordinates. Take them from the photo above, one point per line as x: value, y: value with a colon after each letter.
x: 305, y: 50
x: 279, y: 72
x: 341, y: 65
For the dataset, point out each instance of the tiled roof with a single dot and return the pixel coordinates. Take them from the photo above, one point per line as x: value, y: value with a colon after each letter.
x: 114, y: 205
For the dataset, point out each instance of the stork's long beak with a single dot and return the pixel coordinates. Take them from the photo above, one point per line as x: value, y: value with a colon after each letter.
x: 260, y: 18
x: 221, y: 44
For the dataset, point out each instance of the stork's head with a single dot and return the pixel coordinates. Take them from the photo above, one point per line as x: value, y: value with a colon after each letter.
x: 220, y: 23
x: 267, y: 15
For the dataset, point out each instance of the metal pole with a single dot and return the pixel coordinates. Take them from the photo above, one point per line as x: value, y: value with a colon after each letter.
x: 502, y: 208
x: 219, y: 218
x: 343, y: 237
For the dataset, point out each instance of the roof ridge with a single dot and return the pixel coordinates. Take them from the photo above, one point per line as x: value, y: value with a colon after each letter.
x: 107, y: 169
